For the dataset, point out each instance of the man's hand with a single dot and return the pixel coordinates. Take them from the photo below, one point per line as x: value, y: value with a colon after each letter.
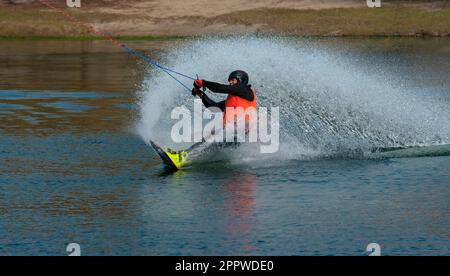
x: 197, y: 92
x: 198, y: 84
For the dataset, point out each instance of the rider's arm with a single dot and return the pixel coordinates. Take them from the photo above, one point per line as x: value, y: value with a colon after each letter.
x: 210, y: 103
x: 240, y: 90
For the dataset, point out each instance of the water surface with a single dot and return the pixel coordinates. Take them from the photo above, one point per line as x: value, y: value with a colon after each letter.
x: 73, y: 170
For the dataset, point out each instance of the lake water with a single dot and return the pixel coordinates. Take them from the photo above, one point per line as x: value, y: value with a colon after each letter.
x: 74, y: 169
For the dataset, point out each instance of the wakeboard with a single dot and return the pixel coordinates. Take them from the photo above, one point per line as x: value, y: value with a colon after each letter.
x: 172, y: 160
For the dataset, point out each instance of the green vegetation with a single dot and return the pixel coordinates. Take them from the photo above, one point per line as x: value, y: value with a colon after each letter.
x: 92, y: 38
x: 386, y: 21
x: 32, y: 23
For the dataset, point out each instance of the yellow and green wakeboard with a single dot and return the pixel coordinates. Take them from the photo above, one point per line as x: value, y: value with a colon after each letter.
x: 172, y: 160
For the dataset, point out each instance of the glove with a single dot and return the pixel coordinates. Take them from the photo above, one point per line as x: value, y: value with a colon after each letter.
x: 198, y: 83
x: 197, y: 92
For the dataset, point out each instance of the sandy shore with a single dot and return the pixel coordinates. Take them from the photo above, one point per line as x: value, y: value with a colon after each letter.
x: 206, y: 17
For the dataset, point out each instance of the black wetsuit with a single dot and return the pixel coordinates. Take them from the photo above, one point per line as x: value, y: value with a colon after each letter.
x: 240, y: 90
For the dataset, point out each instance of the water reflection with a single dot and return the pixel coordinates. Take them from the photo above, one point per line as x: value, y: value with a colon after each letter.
x: 51, y: 87
x: 44, y: 112
x: 239, y: 207
x: 72, y: 65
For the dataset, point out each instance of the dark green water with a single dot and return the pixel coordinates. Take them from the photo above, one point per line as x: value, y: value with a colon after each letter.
x: 72, y: 171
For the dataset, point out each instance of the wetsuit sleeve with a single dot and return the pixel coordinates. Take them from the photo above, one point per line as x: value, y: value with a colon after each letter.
x: 240, y: 90
x: 210, y: 103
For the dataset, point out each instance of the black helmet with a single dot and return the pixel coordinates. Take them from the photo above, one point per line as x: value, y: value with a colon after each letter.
x: 241, y: 76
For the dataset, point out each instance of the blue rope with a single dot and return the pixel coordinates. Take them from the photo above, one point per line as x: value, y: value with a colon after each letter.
x: 165, y: 69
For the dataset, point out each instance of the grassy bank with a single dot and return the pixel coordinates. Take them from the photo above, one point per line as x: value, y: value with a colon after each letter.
x: 32, y: 23
x: 386, y: 21
x: 92, y: 38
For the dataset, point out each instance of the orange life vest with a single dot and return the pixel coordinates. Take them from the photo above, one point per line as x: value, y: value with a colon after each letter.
x: 237, y: 103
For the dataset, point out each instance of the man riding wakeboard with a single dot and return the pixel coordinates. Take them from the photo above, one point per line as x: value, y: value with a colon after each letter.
x: 240, y: 95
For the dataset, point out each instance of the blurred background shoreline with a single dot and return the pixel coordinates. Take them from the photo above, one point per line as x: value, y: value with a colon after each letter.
x: 157, y: 19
